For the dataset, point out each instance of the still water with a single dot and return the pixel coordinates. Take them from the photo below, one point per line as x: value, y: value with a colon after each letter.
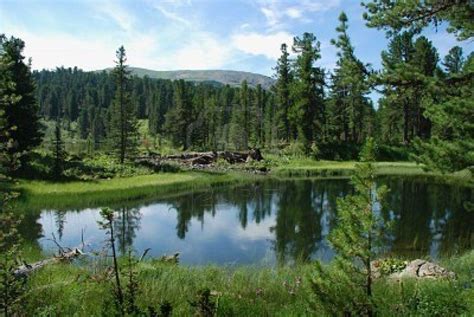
x: 268, y: 222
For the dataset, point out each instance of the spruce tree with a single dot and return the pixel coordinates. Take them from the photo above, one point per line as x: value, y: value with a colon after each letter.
x: 123, y: 125
x: 58, y: 149
x: 19, y: 104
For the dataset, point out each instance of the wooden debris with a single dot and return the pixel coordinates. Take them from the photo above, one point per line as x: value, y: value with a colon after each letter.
x: 201, y: 158
x: 27, y: 269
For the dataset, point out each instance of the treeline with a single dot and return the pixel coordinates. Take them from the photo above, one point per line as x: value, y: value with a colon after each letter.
x: 320, y: 113
x: 425, y: 110
x: 191, y: 115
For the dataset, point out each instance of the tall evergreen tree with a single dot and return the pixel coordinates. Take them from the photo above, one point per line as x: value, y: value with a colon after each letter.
x: 454, y: 61
x: 239, y: 123
x: 306, y: 114
x: 358, y: 238
x: 282, y: 92
x: 18, y: 99
x: 349, y: 104
x: 58, y: 149
x: 451, y: 147
x: 179, y: 117
x: 123, y: 125
x: 409, y: 67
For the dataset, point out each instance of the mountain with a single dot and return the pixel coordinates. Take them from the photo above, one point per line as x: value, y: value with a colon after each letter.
x: 231, y: 77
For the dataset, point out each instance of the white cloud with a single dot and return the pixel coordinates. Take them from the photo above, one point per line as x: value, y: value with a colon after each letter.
x: 202, y: 52
x: 172, y: 16
x: 267, y: 45
x: 115, y: 12
x: 276, y: 11
x: 293, y: 12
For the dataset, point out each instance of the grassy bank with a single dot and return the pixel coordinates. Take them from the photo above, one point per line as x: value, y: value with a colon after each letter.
x: 67, y: 194
x: 86, y: 290
x: 92, y: 193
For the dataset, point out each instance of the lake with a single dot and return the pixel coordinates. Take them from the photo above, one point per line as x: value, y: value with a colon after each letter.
x: 267, y: 222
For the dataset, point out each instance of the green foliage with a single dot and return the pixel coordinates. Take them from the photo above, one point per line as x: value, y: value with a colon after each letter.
x: 204, y: 304
x: 11, y: 287
x: 357, y: 240
x: 369, y: 151
x: 307, y: 110
x: 123, y: 123
x: 391, y: 265
x: 452, y: 146
x: 58, y: 150
x: 17, y: 101
x: 349, y: 110
x: 417, y: 14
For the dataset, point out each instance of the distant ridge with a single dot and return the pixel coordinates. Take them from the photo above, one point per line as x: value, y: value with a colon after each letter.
x: 231, y: 77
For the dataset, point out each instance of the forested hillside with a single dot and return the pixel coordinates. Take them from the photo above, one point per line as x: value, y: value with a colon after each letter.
x: 224, y: 77
x: 308, y: 110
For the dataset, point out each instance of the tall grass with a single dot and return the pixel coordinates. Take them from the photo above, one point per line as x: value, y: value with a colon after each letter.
x: 78, y: 194
x: 66, y: 290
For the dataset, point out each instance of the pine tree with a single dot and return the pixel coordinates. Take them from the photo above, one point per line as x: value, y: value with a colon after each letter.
x: 451, y: 147
x: 306, y: 114
x: 349, y: 103
x: 18, y: 99
x: 414, y: 15
x: 409, y: 68
x: 282, y: 92
x: 11, y: 287
x: 239, y: 122
x: 58, y: 149
x: 454, y: 61
x: 179, y: 117
x: 123, y: 125
x: 357, y: 239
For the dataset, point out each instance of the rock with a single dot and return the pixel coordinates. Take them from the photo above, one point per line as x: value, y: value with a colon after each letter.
x: 422, y: 269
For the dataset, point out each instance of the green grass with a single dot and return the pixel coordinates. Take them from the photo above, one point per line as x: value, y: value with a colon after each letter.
x: 89, y: 193
x: 67, y: 290
x: 48, y: 194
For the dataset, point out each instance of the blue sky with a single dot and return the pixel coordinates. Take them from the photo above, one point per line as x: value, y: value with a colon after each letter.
x: 188, y: 34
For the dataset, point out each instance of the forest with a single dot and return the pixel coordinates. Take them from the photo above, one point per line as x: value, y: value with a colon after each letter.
x: 345, y: 191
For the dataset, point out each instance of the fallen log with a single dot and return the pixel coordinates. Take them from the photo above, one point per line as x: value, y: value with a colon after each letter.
x: 27, y: 269
x: 201, y: 158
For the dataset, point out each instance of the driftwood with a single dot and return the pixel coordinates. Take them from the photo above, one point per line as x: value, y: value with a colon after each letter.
x: 201, y: 158
x: 27, y: 269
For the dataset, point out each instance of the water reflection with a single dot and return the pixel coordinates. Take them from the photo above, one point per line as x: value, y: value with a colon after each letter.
x: 269, y: 222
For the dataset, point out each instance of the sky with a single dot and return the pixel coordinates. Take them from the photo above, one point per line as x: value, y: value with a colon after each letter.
x: 242, y: 35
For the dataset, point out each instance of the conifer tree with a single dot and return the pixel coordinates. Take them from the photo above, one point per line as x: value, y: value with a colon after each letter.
x: 306, y: 114
x: 349, y: 104
x: 179, y: 117
x: 282, y: 92
x: 454, y: 61
x: 357, y: 239
x: 123, y: 125
x: 409, y: 68
x: 58, y: 149
x: 239, y: 123
x: 19, y: 105
x: 451, y: 147
x: 414, y: 15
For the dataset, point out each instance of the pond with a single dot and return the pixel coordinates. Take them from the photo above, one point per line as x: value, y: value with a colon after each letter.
x: 267, y: 222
